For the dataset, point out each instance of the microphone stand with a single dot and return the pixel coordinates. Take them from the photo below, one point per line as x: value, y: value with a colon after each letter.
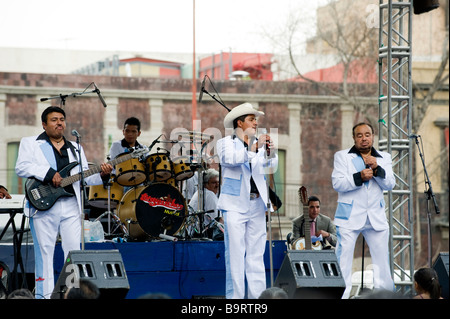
x: 429, y: 194
x: 64, y: 97
x: 269, y: 215
x: 215, y: 99
x: 82, y: 189
x: 203, y: 90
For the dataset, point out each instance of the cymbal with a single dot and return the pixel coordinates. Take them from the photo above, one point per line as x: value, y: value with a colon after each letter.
x: 193, y: 135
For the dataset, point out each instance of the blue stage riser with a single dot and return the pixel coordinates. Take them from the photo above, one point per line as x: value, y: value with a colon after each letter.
x: 182, y: 270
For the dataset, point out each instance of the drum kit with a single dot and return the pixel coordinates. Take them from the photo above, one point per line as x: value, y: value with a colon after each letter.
x: 144, y: 200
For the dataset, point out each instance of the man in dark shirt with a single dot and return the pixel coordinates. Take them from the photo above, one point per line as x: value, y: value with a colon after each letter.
x: 42, y: 158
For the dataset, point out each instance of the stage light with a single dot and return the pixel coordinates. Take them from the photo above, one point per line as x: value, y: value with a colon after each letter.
x: 422, y: 6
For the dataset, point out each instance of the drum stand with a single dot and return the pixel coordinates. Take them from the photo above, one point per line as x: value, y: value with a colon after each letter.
x: 166, y: 223
x: 201, y: 201
x: 110, y: 213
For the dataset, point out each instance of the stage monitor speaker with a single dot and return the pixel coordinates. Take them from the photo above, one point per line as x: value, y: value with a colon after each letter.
x: 422, y: 6
x: 309, y: 274
x: 104, y: 268
x: 441, y: 267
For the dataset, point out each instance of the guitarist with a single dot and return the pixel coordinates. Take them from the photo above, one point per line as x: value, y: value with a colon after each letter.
x: 42, y: 157
x: 322, y: 225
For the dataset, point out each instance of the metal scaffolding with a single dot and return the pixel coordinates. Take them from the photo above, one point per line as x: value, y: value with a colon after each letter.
x: 395, y: 120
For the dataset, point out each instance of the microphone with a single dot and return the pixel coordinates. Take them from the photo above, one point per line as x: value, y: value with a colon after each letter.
x: 414, y: 136
x: 75, y: 133
x: 200, y: 97
x: 154, y: 142
x: 100, y: 95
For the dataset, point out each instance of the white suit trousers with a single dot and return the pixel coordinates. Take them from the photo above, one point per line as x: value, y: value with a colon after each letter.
x: 63, y: 218
x: 379, y: 251
x: 245, y: 243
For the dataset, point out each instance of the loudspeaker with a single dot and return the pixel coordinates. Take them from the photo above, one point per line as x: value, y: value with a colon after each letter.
x: 441, y: 267
x: 310, y: 274
x: 103, y: 267
x: 422, y: 6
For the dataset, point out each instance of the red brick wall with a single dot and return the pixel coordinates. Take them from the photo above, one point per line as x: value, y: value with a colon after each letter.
x: 133, y: 107
x: 320, y: 139
x: 21, y: 109
x: 86, y: 116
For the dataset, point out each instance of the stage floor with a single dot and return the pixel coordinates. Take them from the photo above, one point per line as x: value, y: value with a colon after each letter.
x: 182, y: 269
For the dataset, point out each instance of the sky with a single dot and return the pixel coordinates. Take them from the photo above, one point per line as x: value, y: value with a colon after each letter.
x: 151, y: 25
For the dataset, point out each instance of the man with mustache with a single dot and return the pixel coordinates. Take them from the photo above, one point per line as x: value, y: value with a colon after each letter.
x: 42, y: 157
x: 360, y: 176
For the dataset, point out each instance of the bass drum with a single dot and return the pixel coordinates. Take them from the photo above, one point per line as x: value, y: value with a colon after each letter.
x: 148, y: 211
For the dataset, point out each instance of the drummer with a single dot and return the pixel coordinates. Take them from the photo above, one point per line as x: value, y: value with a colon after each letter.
x: 131, y: 131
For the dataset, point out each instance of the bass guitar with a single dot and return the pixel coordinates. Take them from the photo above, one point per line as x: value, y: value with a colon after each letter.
x: 43, y: 196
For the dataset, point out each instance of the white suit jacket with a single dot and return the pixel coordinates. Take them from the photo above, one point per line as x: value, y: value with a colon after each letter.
x: 356, y: 203
x: 236, y: 172
x: 36, y: 157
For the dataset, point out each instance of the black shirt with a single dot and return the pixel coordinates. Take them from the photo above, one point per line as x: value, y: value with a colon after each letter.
x: 379, y: 171
x: 62, y: 159
x: 253, y: 188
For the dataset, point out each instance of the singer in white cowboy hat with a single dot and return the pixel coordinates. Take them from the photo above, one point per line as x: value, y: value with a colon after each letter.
x: 243, y: 201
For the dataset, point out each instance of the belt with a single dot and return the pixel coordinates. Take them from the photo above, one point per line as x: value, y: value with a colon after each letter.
x: 254, y: 196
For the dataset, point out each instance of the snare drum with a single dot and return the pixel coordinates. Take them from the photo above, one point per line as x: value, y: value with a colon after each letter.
x: 182, y: 168
x: 159, y: 167
x: 130, y: 172
x: 98, y: 195
x: 152, y: 210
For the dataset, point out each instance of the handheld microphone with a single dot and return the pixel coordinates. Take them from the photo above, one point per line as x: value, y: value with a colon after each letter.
x: 100, y: 95
x: 75, y: 133
x: 200, y: 97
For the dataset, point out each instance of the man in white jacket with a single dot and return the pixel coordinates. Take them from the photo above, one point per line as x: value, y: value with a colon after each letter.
x: 360, y: 176
x: 42, y: 158
x: 243, y: 201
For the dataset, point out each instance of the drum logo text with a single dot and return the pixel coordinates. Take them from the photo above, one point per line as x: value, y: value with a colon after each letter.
x: 165, y: 202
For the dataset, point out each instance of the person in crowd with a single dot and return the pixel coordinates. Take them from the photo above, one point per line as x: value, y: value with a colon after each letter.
x: 21, y: 293
x: 273, y: 293
x: 87, y: 289
x: 426, y: 284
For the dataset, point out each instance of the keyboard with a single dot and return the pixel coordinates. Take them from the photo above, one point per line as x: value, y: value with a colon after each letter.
x: 15, y: 202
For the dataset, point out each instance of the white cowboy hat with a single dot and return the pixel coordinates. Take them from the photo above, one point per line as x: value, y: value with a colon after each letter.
x: 242, y: 109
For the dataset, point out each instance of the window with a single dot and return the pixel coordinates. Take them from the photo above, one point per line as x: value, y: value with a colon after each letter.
x: 15, y: 184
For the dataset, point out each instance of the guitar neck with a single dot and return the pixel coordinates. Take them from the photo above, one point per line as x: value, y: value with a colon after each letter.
x: 308, y: 243
x: 94, y: 170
